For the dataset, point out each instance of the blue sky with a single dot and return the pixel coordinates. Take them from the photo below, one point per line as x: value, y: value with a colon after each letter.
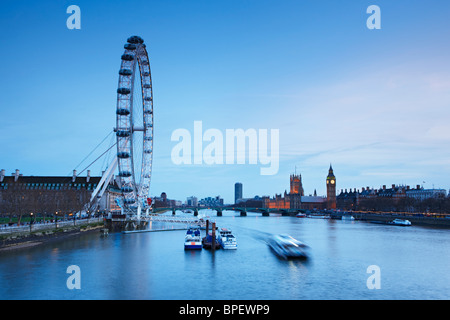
x: 374, y: 103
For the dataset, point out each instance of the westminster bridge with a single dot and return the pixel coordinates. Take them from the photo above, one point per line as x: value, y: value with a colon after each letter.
x: 243, y: 210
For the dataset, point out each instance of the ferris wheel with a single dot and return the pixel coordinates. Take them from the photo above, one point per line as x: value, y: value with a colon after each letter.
x: 134, y: 125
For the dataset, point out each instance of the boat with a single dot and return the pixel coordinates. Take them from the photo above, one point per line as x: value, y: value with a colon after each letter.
x: 395, y: 222
x: 301, y: 215
x: 192, y: 240
x: 317, y: 216
x: 400, y: 222
x: 348, y: 217
x: 226, y: 239
x: 286, y: 247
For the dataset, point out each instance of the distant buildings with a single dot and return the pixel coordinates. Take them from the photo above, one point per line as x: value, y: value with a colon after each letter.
x: 240, y: 201
x: 205, y: 202
x: 296, y: 198
x: 237, y: 191
x: 163, y: 202
x: 398, y: 197
x: 211, y: 202
x: 255, y: 202
x: 192, y: 201
x: 422, y: 194
x: 291, y: 200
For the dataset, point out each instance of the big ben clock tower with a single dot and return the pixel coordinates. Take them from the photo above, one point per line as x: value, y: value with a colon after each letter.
x: 331, y: 189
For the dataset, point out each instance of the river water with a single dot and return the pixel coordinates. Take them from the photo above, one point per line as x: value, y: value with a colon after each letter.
x: 413, y: 263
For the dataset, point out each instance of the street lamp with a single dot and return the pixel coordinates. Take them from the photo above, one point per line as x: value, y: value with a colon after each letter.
x: 31, y: 220
x: 56, y: 219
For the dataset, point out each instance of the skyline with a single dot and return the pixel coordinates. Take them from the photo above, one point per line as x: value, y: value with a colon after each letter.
x: 373, y: 103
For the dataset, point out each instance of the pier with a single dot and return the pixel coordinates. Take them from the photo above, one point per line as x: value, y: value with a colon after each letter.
x: 209, y: 241
x: 117, y: 222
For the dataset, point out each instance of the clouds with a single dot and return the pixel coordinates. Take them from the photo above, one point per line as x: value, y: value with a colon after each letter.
x: 374, y: 103
x: 387, y: 124
x: 378, y: 123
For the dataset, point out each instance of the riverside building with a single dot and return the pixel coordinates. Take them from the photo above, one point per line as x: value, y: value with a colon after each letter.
x: 296, y: 198
x: 49, y: 195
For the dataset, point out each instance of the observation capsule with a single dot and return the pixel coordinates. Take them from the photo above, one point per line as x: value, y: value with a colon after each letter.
x: 123, y: 112
x: 125, y: 72
x: 123, y: 133
x: 123, y: 155
x: 125, y: 174
x: 123, y: 91
x: 127, y: 57
x: 126, y: 189
x: 130, y: 46
x: 135, y: 40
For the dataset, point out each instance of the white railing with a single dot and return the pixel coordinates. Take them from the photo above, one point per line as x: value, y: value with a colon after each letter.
x: 163, y: 218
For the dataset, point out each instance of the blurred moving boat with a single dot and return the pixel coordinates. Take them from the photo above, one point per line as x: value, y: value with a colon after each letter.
x: 395, y: 222
x: 400, y: 222
x: 287, y: 247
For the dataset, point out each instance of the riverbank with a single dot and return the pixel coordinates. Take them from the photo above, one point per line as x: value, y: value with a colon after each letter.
x: 417, y: 219
x: 25, y: 240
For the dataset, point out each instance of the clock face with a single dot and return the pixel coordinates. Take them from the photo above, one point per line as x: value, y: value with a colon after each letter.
x: 332, y: 181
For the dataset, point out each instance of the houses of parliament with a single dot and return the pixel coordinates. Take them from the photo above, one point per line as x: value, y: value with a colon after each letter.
x: 296, y: 198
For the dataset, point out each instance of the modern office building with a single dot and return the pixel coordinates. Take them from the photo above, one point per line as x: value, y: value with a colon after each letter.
x: 192, y: 201
x: 211, y: 202
x: 237, y: 191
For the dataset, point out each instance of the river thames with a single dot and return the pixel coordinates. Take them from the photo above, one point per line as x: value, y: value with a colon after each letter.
x: 413, y: 263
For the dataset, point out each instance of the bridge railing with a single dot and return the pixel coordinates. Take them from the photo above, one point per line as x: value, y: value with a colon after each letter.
x: 176, y: 219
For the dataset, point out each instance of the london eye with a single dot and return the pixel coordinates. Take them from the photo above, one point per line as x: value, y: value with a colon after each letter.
x: 134, y: 125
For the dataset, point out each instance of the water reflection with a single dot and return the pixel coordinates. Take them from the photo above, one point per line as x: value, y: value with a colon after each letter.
x: 155, y: 265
